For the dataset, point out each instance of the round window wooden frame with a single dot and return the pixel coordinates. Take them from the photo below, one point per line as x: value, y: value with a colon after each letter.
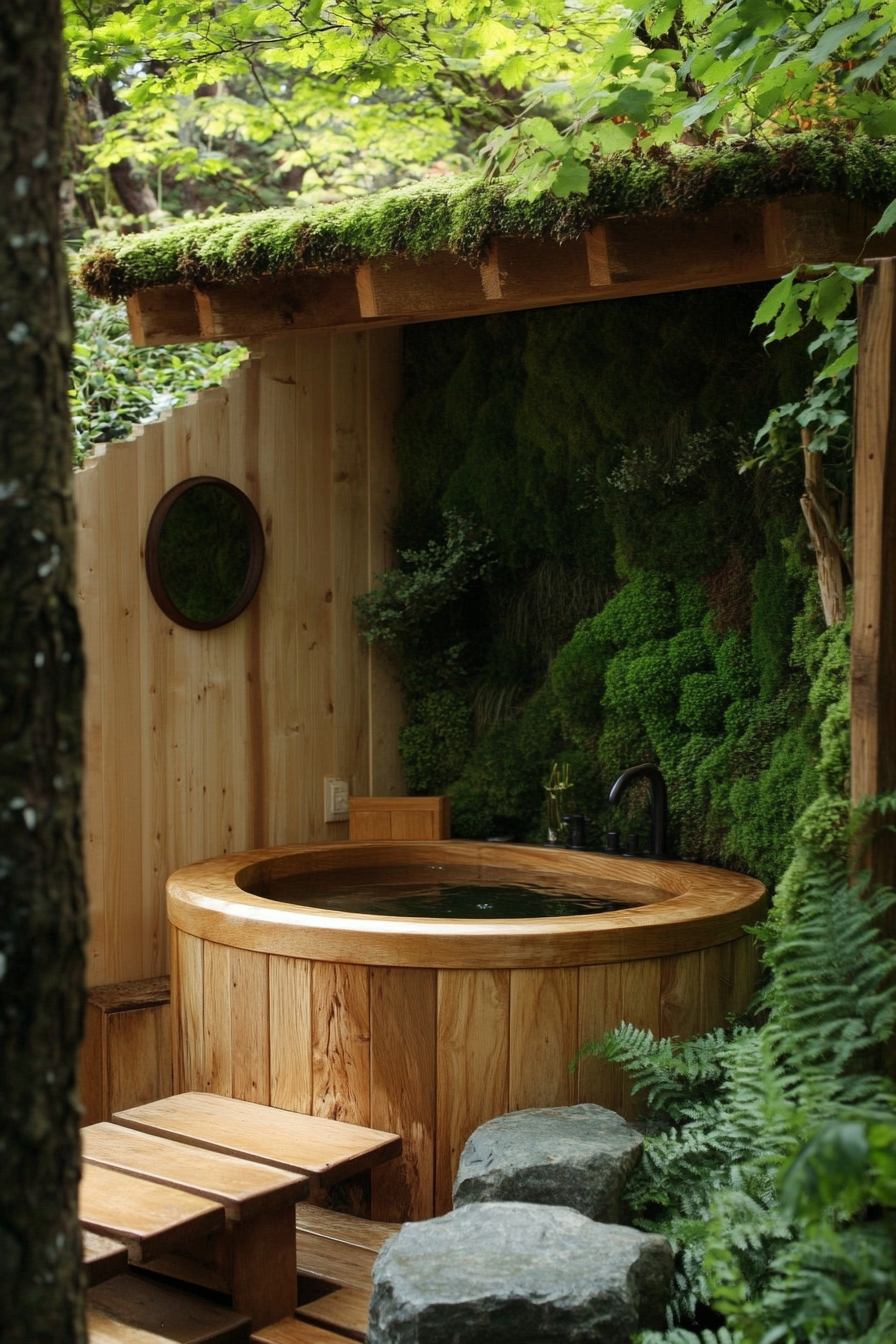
x: 256, y: 552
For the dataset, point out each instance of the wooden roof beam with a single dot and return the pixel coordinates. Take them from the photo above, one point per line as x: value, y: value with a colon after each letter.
x: 619, y: 258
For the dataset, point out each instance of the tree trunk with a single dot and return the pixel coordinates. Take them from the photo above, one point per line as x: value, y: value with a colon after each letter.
x: 42, y: 905
x: 134, y: 192
x: 821, y: 519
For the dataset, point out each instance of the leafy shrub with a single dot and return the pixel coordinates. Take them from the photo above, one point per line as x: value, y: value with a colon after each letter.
x: 435, y: 744
x: 115, y: 386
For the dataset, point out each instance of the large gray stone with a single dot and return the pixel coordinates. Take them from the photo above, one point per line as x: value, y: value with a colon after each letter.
x: 580, y: 1156
x: 514, y: 1273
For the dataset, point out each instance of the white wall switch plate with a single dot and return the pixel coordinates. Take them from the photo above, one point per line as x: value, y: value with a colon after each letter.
x: 335, y: 799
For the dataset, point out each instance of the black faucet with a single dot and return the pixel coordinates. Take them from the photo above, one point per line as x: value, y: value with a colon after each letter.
x: 657, y: 803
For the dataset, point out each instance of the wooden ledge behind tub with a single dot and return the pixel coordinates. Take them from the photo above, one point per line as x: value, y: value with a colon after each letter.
x: 399, y: 818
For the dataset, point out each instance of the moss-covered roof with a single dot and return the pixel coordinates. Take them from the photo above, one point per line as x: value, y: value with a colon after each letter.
x: 460, y: 214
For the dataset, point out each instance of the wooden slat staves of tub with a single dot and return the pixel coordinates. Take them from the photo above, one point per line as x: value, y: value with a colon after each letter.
x: 429, y: 1028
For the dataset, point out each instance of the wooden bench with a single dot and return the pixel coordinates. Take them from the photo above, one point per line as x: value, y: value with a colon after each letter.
x: 204, y: 1189
x: 102, y: 1257
x: 126, y: 1054
x: 324, y: 1150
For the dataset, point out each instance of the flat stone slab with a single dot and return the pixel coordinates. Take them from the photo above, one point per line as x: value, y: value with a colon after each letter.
x: 507, y: 1273
x: 580, y: 1156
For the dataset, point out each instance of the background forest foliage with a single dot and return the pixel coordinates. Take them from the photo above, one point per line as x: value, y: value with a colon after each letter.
x: 588, y: 577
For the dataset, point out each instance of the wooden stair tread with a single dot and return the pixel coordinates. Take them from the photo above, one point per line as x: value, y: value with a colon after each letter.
x: 245, y: 1189
x: 346, y: 1309
x: 293, y: 1331
x: 103, y: 1258
x: 363, y: 1232
x: 335, y: 1261
x: 131, y: 1309
x: 327, y: 1150
x: 150, y: 1219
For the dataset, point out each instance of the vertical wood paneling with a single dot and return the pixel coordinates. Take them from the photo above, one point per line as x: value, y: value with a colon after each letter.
x: 543, y: 1037
x: 202, y: 743
x: 351, y: 573
x: 340, y: 1023
x: 403, y: 1088
x: 278, y: 491
x: 745, y: 972
x: 681, y: 1007
x: 314, y: 606
x: 716, y: 987
x: 384, y: 696
x: 473, y: 1046
x: 290, y: 1018
x: 608, y: 995
x: 88, y: 485
x: 119, y: 598
x: 249, y: 1026
x: 217, y: 1014
x: 187, y: 1012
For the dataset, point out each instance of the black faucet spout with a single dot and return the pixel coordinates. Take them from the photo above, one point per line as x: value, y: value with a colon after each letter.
x: 657, y: 802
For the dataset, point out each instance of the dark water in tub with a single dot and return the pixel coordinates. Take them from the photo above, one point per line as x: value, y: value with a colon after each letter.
x: 428, y: 894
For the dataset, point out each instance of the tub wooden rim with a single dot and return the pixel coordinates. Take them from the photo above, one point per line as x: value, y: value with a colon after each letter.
x: 708, y: 906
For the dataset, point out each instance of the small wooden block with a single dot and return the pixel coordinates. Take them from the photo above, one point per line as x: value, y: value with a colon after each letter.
x: 150, y: 1219
x: 362, y: 1232
x: 126, y: 1054
x: 326, y: 1150
x: 165, y: 315
x: 293, y: 1331
x: 443, y: 283
x: 346, y: 1310
x: 335, y: 1261
x: 246, y: 1189
x: 133, y: 1309
x: 399, y: 818
x: 103, y: 1258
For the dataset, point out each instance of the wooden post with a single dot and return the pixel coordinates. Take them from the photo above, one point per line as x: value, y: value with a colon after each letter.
x: 873, y: 675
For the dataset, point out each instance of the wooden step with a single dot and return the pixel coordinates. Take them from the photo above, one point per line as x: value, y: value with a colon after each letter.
x: 150, y: 1219
x: 133, y: 1309
x: 344, y: 1311
x: 363, y: 1232
x: 245, y: 1189
x: 336, y: 1261
x: 325, y: 1150
x: 102, y: 1257
x: 293, y: 1331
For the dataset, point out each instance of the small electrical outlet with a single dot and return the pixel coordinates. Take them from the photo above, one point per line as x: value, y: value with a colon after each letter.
x: 335, y: 799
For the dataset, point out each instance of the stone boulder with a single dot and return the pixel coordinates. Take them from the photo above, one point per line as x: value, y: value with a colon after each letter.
x: 580, y: 1156
x: 508, y: 1273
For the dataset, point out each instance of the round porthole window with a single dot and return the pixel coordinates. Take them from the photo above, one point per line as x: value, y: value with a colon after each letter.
x: 204, y: 552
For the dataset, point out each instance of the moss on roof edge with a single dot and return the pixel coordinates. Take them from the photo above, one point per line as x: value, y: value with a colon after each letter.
x: 460, y: 214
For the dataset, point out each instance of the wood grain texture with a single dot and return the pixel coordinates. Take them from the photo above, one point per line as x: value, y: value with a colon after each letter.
x: 244, y: 1189
x: 543, y: 1037
x: 473, y: 1064
x: 201, y: 743
x: 873, y: 642
x: 102, y: 1257
x: 290, y: 1033
x: 346, y: 1310
x: 369, y: 1235
x: 309, y: 1145
x: 349, y: 1266
x: 263, y: 1282
x: 403, y: 1088
x: 188, y: 1011
x: 133, y: 1309
x: 138, y: 1059
x: 148, y: 1218
x: 293, y: 1331
x: 340, y: 1042
x: 394, y: 818
x: 609, y: 995
x: 249, y: 1027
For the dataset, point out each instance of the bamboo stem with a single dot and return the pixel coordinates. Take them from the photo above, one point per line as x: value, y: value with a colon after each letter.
x: 819, y: 514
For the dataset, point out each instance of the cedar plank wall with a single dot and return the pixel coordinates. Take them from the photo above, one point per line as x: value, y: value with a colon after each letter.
x: 198, y: 743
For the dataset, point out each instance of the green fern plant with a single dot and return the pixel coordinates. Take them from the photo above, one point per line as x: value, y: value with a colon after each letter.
x: 771, y: 1161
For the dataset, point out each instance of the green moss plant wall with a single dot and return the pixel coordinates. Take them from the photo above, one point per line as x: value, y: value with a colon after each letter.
x: 587, y: 577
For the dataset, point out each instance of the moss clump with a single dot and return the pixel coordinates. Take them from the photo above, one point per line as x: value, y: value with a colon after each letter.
x: 460, y: 215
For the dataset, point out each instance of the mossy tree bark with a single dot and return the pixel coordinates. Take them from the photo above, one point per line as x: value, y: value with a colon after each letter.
x: 42, y: 905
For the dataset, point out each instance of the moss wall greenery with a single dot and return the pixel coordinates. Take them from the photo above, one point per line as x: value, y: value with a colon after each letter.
x: 609, y: 588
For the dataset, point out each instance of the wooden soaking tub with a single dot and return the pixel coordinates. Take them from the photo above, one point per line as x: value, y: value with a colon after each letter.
x: 428, y: 1027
